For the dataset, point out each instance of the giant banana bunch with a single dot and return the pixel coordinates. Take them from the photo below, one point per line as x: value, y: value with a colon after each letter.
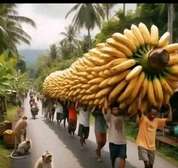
x: 128, y: 66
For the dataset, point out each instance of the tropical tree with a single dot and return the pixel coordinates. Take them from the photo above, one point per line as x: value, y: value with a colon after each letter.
x: 107, y: 9
x: 70, y: 38
x: 10, y: 28
x: 87, y: 16
x: 53, y: 52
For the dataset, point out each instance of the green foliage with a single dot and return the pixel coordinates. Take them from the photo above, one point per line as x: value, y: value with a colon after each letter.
x: 11, y: 113
x: 4, y: 159
x: 11, y: 31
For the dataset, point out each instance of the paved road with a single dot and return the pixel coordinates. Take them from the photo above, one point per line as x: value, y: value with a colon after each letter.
x: 66, y: 149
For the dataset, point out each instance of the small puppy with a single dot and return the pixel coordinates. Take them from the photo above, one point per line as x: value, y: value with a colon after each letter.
x: 45, y: 161
x: 24, y: 147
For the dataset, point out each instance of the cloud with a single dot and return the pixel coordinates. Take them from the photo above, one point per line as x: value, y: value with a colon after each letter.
x: 50, y: 21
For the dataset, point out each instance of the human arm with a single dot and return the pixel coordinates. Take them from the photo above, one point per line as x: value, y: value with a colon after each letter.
x: 107, y: 114
x: 162, y: 122
x: 140, y: 113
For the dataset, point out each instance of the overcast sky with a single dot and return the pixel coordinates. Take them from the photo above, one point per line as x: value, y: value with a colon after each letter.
x: 50, y: 21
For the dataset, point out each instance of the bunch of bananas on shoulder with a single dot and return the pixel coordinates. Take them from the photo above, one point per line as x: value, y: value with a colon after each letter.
x: 128, y: 66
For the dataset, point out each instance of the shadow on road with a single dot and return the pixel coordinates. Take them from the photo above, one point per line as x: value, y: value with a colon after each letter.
x: 86, y: 156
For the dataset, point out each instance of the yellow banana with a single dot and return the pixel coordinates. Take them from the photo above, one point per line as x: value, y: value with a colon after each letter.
x: 103, y: 92
x: 119, y: 46
x: 137, y: 88
x: 158, y: 89
x: 117, y: 78
x: 166, y: 86
x: 174, y: 69
x: 123, y: 39
x: 154, y: 35
x: 145, y: 32
x: 95, y: 80
x: 129, y: 34
x: 137, y: 34
x: 128, y: 90
x: 173, y: 59
x: 150, y: 93
x: 124, y: 65
x: 117, y: 89
x: 134, y: 72
x: 164, y: 40
x: 113, y: 52
x: 171, y: 48
x: 104, y: 83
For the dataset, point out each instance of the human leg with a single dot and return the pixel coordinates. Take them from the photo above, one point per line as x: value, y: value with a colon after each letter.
x: 143, y: 155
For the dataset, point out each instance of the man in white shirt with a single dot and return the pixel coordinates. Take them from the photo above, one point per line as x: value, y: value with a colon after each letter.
x: 59, y: 112
x: 84, y: 117
x: 116, y: 135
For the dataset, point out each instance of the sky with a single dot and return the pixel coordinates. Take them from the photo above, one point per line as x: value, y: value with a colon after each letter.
x: 50, y: 22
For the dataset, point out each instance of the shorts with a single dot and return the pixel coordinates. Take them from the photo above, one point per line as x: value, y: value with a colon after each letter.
x: 83, y: 131
x: 146, y: 155
x: 59, y: 116
x: 117, y: 151
x: 72, y: 125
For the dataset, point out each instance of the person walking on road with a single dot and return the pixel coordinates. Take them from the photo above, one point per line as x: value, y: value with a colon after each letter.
x: 100, y: 131
x: 72, y: 120
x: 84, y: 117
x: 116, y: 135
x: 147, y: 134
x: 59, y: 112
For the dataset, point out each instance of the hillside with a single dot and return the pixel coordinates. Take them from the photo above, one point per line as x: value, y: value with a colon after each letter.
x: 30, y: 55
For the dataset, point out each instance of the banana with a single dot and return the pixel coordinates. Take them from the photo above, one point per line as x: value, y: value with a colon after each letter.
x: 166, y: 86
x: 95, y: 80
x: 171, y: 48
x: 137, y: 88
x: 104, y: 83
x: 124, y: 66
x: 154, y: 35
x: 123, y: 39
x: 129, y: 34
x: 164, y: 40
x: 117, y: 78
x: 173, y: 59
x: 134, y: 72
x: 145, y: 33
x: 137, y: 34
x: 117, y: 89
x: 103, y: 92
x: 158, y: 89
x: 128, y: 90
x: 119, y: 47
x: 113, y: 52
x: 174, y: 69
x: 150, y: 93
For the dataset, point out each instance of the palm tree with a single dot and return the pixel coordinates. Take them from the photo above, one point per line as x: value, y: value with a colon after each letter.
x: 53, y: 52
x: 10, y: 27
x: 107, y: 8
x: 170, y: 11
x: 170, y: 19
x: 70, y: 38
x: 88, y: 16
x: 124, y: 8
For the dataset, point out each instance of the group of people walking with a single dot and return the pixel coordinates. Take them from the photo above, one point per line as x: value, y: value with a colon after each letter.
x: 109, y: 121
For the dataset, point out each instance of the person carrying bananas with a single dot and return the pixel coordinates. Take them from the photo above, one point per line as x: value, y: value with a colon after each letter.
x: 148, y: 124
x: 116, y: 135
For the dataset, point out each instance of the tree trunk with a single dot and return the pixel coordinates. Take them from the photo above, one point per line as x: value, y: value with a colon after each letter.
x: 89, y: 37
x: 170, y: 20
x: 107, y: 12
x: 124, y: 8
